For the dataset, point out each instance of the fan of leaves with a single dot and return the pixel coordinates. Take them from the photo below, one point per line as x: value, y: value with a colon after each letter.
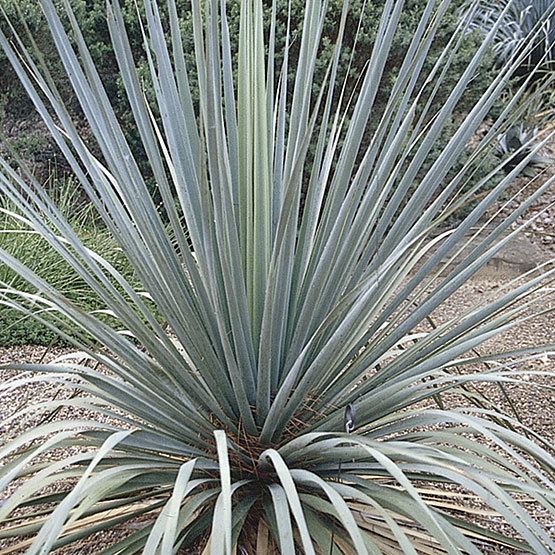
x: 290, y: 404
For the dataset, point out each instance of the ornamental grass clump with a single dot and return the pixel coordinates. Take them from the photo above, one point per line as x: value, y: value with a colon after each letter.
x: 293, y: 399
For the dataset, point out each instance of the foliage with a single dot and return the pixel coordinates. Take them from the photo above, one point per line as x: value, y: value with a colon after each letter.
x: 291, y: 405
x: 30, y: 248
x: 522, y: 19
x: 538, y: 103
x: 516, y: 143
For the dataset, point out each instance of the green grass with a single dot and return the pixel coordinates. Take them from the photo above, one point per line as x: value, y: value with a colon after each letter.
x: 16, y: 238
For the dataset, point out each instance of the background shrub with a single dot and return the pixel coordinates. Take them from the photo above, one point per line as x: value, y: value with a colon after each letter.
x: 90, y: 15
x: 522, y: 19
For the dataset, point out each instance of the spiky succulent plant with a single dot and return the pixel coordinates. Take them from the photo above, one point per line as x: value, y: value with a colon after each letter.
x: 522, y: 20
x: 289, y: 402
x: 515, y: 144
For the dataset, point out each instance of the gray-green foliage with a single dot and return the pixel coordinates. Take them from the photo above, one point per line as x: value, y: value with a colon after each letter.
x: 523, y: 20
x: 516, y: 143
x: 283, y: 312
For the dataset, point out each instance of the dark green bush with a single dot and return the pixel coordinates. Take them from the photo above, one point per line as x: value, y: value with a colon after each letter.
x: 17, y: 329
x: 91, y: 18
